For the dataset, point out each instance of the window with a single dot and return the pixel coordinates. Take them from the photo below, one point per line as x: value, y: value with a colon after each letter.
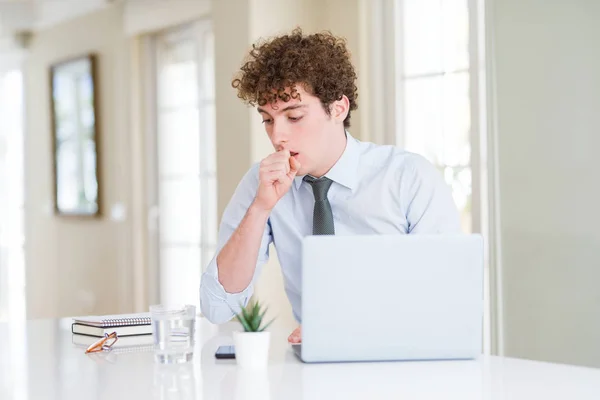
x: 12, y: 238
x: 435, y: 76
x: 437, y: 57
x: 185, y: 160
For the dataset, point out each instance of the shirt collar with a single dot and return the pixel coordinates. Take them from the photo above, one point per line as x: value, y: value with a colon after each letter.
x: 344, y: 171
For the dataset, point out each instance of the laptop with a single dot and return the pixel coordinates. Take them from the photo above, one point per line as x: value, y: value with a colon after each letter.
x: 391, y: 298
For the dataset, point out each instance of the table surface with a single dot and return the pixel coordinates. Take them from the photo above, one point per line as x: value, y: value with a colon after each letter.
x: 38, y: 360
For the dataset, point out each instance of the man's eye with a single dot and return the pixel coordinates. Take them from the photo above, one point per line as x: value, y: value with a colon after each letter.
x: 267, y: 121
x: 294, y: 119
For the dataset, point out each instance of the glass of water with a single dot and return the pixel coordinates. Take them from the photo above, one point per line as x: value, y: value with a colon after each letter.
x: 173, y: 329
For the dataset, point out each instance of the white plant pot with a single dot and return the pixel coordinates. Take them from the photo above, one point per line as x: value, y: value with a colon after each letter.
x: 252, y: 349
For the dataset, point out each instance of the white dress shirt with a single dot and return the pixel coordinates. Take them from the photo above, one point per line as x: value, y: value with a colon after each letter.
x: 376, y: 190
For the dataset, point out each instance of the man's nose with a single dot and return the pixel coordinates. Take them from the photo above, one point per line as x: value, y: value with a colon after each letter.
x: 280, y: 135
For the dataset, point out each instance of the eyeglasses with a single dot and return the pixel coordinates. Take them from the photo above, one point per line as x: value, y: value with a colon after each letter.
x: 105, y: 343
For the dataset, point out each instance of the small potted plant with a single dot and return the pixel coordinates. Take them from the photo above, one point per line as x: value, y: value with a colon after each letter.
x: 252, y: 344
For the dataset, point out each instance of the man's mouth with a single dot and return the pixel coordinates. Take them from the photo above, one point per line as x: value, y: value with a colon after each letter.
x: 293, y: 153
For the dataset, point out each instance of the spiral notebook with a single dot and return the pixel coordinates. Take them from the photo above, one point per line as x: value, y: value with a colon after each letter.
x: 123, y: 324
x: 111, y: 321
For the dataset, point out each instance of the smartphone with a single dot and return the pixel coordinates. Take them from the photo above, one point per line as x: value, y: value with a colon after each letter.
x: 225, y: 352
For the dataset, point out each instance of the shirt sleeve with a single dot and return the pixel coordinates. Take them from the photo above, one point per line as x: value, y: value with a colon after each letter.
x: 430, y: 206
x: 216, y: 303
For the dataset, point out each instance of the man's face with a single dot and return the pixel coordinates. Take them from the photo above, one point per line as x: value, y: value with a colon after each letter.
x: 302, y: 127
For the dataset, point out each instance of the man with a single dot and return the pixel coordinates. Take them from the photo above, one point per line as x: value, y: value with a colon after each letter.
x: 319, y: 180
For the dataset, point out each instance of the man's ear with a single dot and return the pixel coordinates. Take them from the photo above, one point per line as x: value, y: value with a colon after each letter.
x: 340, y: 108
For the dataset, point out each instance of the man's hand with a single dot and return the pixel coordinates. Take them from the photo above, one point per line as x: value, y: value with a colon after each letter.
x: 276, y: 174
x: 296, y: 336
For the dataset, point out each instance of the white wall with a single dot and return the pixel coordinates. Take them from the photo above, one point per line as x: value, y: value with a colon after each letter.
x: 148, y: 16
x: 547, y: 57
x: 78, y: 266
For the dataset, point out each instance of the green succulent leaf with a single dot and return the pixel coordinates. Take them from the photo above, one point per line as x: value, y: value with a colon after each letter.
x: 256, y: 319
x: 266, y: 326
x: 262, y: 315
x: 244, y: 323
x: 251, y: 317
x: 245, y: 314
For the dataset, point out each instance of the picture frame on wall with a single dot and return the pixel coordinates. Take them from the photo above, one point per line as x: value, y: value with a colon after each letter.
x: 75, y: 137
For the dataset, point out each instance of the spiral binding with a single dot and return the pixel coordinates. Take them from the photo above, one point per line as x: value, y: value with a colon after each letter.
x: 126, y: 321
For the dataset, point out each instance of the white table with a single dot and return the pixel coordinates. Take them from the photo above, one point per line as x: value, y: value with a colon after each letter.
x: 39, y: 361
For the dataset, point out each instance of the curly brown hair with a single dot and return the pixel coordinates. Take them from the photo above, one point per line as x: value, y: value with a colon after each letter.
x: 319, y: 62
